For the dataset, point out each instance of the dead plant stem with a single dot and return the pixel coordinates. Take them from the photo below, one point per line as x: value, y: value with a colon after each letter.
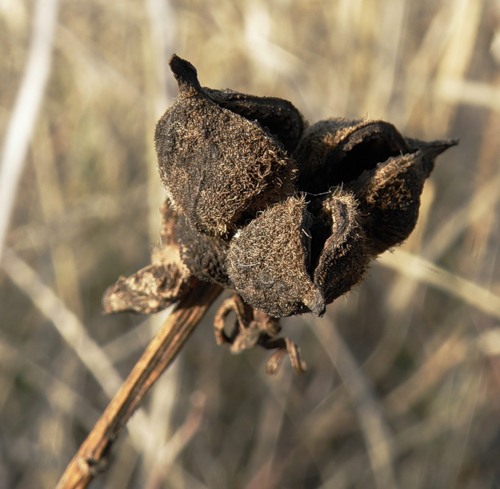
x: 161, y: 351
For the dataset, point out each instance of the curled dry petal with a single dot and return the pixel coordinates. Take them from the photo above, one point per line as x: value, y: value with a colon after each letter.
x: 156, y: 286
x: 151, y: 289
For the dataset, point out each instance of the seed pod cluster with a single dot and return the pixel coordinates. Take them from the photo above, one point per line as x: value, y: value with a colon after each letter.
x: 288, y: 215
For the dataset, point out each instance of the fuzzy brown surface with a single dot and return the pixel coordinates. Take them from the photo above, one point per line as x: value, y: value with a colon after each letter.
x: 204, y: 256
x: 344, y: 257
x: 268, y: 262
x: 389, y: 195
x: 218, y: 167
x: 338, y: 150
x: 276, y: 115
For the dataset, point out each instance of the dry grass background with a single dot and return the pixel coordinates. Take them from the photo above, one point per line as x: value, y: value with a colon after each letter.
x: 403, y: 386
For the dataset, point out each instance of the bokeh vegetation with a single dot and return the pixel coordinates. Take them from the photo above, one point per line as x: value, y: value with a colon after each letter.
x: 403, y: 385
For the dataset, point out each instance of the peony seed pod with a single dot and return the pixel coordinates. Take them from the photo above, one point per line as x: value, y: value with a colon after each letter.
x: 268, y: 261
x: 219, y: 168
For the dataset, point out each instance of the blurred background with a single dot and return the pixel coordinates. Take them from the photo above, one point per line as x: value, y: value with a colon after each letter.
x: 403, y: 385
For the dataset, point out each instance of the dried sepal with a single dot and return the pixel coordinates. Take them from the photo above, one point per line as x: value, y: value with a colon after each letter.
x: 218, y: 167
x: 151, y: 289
x: 269, y: 261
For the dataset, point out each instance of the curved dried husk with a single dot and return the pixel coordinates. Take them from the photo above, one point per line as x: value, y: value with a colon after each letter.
x: 343, y: 258
x: 277, y: 116
x: 389, y: 194
x: 218, y: 167
x: 335, y: 151
x: 268, y: 261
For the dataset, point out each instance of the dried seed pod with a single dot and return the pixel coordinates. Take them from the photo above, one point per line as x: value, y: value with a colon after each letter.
x: 238, y: 215
x: 278, y: 116
x: 343, y: 257
x: 336, y: 151
x: 389, y: 194
x: 385, y: 171
x: 218, y: 167
x: 268, y: 261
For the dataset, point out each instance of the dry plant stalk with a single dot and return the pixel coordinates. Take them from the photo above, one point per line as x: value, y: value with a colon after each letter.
x: 91, y: 456
x: 288, y: 215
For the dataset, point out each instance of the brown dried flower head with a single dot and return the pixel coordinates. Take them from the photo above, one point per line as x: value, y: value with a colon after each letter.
x: 287, y: 215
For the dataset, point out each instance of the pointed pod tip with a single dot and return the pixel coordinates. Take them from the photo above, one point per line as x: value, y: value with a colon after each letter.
x: 440, y: 146
x: 435, y: 148
x: 185, y: 73
x: 315, y: 302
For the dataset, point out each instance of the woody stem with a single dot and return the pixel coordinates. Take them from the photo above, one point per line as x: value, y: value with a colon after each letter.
x: 159, y: 354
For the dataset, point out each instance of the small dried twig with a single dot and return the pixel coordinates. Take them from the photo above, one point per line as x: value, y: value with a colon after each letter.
x: 91, y: 456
